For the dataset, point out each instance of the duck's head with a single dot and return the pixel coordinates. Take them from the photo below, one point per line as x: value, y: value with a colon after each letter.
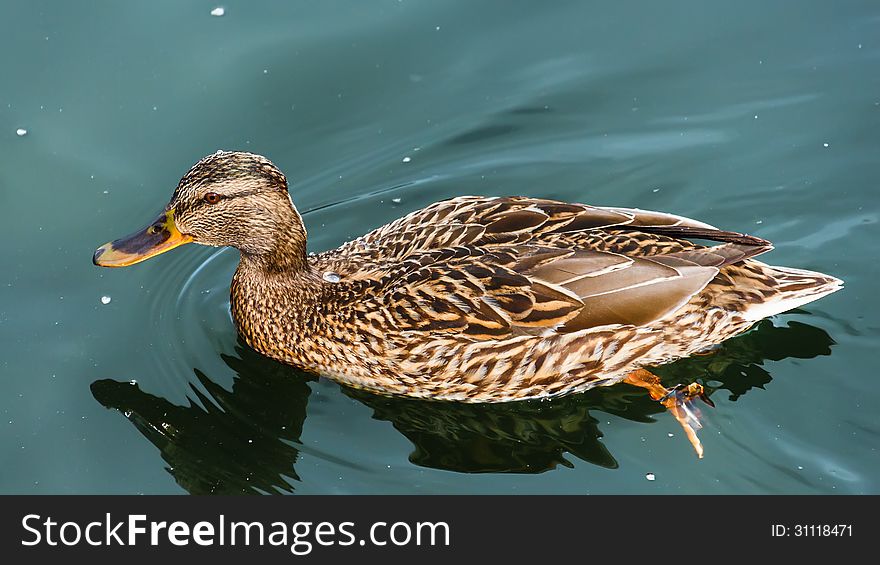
x: 230, y: 198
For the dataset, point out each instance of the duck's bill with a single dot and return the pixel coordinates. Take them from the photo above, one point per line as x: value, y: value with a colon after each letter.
x: 160, y: 236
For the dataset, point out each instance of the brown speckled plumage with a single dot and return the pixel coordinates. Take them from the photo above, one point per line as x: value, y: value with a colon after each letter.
x: 481, y: 299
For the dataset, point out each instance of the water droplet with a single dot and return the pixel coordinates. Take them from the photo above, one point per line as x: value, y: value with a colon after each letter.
x: 437, y: 28
x: 824, y: 145
x: 331, y: 277
x: 218, y: 11
x: 21, y: 132
x: 406, y: 159
x: 656, y: 190
x: 105, y: 300
x: 127, y: 413
x: 650, y: 476
x: 133, y: 382
x: 396, y: 200
x: 800, y: 467
x: 670, y: 434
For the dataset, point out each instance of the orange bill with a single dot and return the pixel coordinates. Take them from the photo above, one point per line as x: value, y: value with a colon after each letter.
x: 160, y: 236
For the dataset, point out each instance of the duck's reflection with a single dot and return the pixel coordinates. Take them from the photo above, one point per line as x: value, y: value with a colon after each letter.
x: 224, y: 442
x: 244, y: 440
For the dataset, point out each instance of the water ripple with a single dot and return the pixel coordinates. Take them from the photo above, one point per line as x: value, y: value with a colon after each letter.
x: 189, y: 312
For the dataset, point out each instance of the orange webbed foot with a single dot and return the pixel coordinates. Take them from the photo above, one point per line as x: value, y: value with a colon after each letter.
x: 679, y: 400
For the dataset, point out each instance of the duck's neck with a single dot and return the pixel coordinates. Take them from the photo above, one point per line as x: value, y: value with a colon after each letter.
x: 281, y: 253
x: 274, y: 274
x: 273, y: 298
x: 284, y: 261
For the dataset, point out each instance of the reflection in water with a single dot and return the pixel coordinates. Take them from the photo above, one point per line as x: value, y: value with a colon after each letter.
x: 225, y: 442
x: 244, y: 440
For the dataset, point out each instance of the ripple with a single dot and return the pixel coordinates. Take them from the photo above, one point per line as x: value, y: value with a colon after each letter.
x: 834, y: 230
x: 190, y: 318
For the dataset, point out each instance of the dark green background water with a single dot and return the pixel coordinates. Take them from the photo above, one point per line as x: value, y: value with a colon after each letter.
x: 753, y: 116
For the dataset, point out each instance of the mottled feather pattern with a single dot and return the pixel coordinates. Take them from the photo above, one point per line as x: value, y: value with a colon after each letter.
x: 495, y: 299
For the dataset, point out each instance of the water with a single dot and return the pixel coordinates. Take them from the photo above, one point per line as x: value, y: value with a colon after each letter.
x: 754, y: 116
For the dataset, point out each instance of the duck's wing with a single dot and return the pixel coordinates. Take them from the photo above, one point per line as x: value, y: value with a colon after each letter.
x: 530, y: 289
x: 490, y: 222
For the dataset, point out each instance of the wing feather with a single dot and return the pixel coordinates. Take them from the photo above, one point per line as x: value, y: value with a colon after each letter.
x: 487, y: 295
x: 486, y: 268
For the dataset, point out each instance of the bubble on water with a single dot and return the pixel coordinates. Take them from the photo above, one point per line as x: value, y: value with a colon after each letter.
x: 331, y: 277
x: 670, y: 434
x: 407, y: 159
x: 218, y: 11
x: 824, y: 145
x: 133, y: 382
x: 127, y: 413
x: 396, y: 200
x: 650, y: 476
x: 105, y: 300
x: 21, y: 132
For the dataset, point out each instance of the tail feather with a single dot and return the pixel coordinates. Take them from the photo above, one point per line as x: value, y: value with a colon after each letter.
x: 720, y: 255
x: 795, y: 287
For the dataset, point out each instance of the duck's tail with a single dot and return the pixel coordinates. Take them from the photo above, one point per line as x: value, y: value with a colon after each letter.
x: 795, y: 287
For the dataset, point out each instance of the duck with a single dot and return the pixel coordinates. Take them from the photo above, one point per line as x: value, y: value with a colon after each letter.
x: 476, y: 299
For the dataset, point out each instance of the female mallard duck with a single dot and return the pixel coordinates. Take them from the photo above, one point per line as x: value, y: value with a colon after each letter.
x: 475, y: 299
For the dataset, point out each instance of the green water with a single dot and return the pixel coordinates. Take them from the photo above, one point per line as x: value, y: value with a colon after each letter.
x: 753, y: 116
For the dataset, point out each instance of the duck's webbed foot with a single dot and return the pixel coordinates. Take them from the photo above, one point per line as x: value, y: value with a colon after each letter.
x: 678, y: 400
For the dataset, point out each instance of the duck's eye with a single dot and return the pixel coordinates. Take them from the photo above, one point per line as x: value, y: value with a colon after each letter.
x: 212, y: 198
